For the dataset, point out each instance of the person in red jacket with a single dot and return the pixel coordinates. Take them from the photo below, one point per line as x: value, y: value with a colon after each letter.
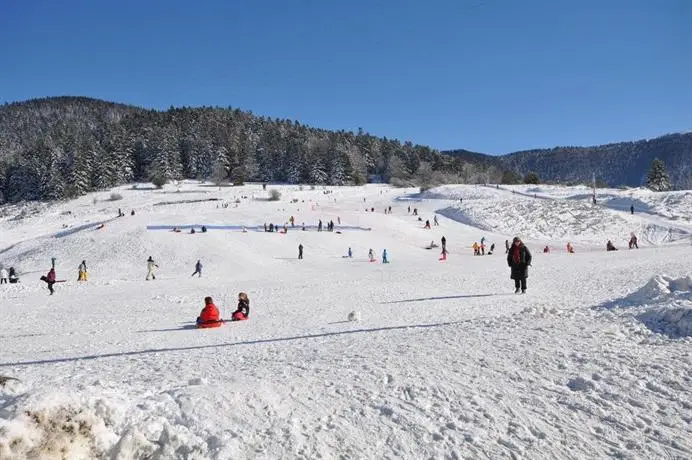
x: 210, y: 315
x: 50, y: 280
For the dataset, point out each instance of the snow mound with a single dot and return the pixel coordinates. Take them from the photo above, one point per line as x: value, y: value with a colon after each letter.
x: 675, y: 322
x: 660, y: 288
x: 50, y: 430
x: 663, y: 305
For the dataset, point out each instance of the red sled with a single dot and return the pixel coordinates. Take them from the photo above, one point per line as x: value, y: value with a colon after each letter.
x: 209, y: 324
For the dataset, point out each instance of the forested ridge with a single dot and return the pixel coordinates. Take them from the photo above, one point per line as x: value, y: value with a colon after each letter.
x: 63, y: 147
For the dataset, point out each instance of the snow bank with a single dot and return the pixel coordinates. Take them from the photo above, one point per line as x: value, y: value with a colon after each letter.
x: 664, y: 305
x: 661, y: 288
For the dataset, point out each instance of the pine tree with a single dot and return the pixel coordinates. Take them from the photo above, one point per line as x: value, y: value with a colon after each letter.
x: 532, y: 178
x: 657, y: 179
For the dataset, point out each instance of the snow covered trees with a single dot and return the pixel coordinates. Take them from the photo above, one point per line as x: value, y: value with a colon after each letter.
x: 657, y: 179
x: 86, y: 145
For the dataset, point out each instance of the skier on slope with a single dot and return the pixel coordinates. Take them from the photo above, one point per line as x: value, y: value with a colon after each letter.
x: 519, y: 260
x: 151, y: 268
x: 633, y: 241
x: 198, y: 269
x: 50, y: 280
x: 82, y: 274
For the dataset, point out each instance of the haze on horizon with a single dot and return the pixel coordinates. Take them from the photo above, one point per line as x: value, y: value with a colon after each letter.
x: 492, y: 76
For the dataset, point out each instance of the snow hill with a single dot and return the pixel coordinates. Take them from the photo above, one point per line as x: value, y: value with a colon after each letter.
x: 341, y: 357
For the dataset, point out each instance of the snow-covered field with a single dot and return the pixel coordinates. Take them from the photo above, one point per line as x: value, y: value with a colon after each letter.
x: 444, y: 361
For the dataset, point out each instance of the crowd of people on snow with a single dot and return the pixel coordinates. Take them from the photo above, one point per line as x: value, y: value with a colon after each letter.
x: 519, y: 260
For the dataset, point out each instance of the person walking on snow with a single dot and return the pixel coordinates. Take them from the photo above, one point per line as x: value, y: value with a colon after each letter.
x: 633, y: 242
x: 300, y: 251
x: 519, y: 260
x: 151, y: 268
x: 198, y: 269
x: 371, y: 255
x: 50, y: 280
x: 384, y: 257
x: 632, y: 209
x: 444, y: 244
x: 427, y: 224
x: 570, y: 248
x: 3, y: 276
x: 82, y: 271
x: 435, y: 222
x: 350, y: 253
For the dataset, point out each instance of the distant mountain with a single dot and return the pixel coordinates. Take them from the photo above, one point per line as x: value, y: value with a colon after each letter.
x: 63, y: 147
x: 625, y: 163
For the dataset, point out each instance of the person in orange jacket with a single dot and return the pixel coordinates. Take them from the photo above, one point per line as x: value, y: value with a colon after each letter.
x: 210, y: 316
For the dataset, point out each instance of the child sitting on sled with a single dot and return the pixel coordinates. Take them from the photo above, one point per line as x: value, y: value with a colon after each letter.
x: 243, y: 311
x: 210, y: 315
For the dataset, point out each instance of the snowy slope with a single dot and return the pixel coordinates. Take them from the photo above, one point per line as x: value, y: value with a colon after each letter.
x: 445, y: 362
x: 555, y: 215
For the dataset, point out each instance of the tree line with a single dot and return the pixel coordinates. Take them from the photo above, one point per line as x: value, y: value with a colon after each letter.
x: 64, y: 147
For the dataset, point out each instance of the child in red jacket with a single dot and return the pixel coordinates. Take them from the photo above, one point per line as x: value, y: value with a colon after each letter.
x: 210, y: 315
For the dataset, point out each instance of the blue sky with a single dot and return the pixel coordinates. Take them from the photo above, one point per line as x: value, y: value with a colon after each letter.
x: 487, y: 75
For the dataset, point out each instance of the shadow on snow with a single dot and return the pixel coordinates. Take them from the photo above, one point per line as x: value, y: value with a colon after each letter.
x: 221, y: 345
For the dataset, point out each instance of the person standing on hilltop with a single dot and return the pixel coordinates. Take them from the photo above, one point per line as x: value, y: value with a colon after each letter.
x: 519, y: 260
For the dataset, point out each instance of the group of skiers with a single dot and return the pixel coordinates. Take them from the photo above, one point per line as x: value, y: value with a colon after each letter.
x: 120, y: 213
x: 8, y: 276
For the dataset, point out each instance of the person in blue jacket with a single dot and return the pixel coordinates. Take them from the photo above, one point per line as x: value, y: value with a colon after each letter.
x: 384, y: 257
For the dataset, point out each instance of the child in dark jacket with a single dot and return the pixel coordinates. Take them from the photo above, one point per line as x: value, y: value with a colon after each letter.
x: 243, y: 311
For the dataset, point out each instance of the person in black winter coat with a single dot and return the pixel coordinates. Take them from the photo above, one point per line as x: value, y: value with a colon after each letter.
x: 519, y: 260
